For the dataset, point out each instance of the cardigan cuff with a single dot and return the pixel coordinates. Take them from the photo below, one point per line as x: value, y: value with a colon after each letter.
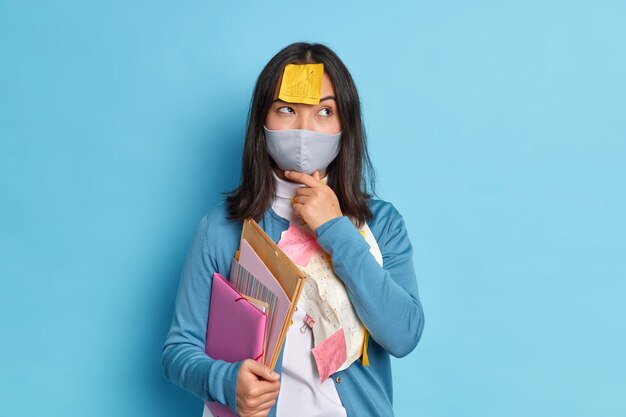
x: 339, y: 235
x: 230, y: 386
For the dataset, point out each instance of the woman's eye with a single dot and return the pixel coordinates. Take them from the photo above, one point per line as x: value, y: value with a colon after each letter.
x: 285, y: 110
x: 325, y: 112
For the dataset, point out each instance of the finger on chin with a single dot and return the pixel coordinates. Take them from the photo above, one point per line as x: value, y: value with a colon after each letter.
x: 302, y: 178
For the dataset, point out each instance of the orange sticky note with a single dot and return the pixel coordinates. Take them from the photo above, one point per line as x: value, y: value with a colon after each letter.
x: 302, y: 83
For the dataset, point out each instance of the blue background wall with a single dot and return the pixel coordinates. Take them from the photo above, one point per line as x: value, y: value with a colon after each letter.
x: 496, y: 128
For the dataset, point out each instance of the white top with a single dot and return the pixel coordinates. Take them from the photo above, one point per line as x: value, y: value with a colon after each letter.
x: 285, y: 190
x: 301, y: 392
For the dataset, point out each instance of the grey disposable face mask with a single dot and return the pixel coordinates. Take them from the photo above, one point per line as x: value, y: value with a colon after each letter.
x: 302, y: 150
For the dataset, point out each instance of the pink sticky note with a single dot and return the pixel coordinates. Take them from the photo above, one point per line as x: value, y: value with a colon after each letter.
x: 298, y: 245
x: 331, y: 354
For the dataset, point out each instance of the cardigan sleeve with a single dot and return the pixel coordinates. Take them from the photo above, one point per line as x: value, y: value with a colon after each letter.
x: 385, y: 298
x: 183, y: 358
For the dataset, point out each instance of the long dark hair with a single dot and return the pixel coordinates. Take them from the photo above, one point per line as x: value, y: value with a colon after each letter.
x: 350, y: 175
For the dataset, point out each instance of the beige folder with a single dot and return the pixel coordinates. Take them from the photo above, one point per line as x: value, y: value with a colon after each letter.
x: 288, y: 275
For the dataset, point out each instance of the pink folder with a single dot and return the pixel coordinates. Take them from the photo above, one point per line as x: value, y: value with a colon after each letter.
x: 235, y: 331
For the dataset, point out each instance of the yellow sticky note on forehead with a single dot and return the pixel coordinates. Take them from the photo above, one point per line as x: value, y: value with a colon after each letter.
x: 302, y: 83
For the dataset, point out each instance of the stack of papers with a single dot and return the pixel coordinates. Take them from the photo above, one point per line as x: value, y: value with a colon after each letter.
x: 249, y: 314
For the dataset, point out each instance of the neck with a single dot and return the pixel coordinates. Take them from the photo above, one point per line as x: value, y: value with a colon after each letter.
x: 285, y: 190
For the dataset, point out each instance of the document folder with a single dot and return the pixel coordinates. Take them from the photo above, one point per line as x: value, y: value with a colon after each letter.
x: 235, y: 331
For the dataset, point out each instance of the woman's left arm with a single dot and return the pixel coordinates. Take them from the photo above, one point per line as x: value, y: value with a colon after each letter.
x: 385, y: 298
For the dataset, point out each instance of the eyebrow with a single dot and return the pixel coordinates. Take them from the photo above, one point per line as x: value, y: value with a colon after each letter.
x: 321, y: 99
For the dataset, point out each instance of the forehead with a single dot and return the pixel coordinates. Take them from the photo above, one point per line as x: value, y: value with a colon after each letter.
x: 328, y: 89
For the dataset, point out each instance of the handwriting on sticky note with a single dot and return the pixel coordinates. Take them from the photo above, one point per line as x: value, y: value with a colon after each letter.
x: 302, y: 83
x: 330, y: 354
x: 298, y: 245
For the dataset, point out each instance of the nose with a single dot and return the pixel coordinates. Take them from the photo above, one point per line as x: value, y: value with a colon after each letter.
x: 304, y: 121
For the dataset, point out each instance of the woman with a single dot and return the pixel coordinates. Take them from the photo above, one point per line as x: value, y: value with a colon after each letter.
x: 324, y: 188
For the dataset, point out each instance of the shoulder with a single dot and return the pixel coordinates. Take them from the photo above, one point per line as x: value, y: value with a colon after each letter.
x: 386, y: 221
x: 383, y: 213
x: 215, y: 224
x: 382, y: 209
x: 217, y: 237
x: 216, y: 218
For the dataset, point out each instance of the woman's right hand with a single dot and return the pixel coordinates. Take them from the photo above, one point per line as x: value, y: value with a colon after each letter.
x: 257, y: 389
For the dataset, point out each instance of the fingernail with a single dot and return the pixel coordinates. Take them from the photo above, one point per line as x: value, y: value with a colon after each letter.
x: 287, y: 172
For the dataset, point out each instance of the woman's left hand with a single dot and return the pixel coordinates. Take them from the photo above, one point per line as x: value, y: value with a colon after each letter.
x: 316, y: 203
